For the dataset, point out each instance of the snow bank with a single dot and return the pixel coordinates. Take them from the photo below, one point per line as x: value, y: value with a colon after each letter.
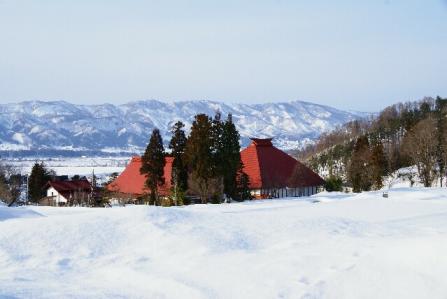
x: 13, y: 212
x: 326, y: 246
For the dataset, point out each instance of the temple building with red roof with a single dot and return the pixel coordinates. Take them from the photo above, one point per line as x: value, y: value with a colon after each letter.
x: 272, y: 174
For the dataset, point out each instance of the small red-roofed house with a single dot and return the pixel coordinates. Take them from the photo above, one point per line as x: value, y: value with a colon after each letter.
x: 60, y: 193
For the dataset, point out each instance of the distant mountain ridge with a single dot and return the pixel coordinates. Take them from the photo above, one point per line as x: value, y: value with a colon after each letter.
x: 59, y: 125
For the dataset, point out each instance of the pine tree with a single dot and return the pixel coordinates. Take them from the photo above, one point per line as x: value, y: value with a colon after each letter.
x: 217, y: 131
x: 200, y: 157
x: 231, y: 157
x: 441, y: 114
x: 153, y: 163
x: 39, y: 176
x: 179, y: 177
x: 359, y: 172
x: 379, y: 164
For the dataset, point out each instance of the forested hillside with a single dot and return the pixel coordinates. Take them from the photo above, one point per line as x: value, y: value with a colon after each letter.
x: 361, y: 153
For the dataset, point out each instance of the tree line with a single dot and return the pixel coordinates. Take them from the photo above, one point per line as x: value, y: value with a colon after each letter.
x: 363, y: 152
x: 207, y: 163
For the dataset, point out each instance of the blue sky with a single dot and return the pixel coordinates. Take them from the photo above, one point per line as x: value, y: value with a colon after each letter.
x: 361, y: 55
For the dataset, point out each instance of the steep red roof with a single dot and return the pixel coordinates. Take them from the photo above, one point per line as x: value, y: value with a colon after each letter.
x: 269, y: 167
x: 131, y: 181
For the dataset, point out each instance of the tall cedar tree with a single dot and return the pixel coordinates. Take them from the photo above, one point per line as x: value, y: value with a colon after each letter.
x: 39, y: 176
x: 379, y: 164
x: 153, y: 163
x: 231, y: 158
x: 200, y: 155
x: 217, y: 131
x: 179, y: 177
x: 441, y: 116
x: 359, y: 168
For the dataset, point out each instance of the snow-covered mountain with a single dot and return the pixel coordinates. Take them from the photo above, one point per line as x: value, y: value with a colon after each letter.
x: 58, y: 125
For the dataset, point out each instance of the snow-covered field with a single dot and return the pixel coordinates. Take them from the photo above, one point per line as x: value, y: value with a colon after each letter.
x: 72, y: 166
x: 83, y: 166
x: 327, y: 246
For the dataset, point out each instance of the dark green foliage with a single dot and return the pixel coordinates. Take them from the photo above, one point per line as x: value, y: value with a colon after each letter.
x: 200, y: 156
x: 242, y: 186
x: 230, y: 157
x: 379, y: 164
x: 217, y: 145
x: 359, y: 168
x: 179, y: 177
x: 441, y: 119
x: 213, y: 157
x: 39, y: 176
x: 153, y: 163
x: 333, y: 183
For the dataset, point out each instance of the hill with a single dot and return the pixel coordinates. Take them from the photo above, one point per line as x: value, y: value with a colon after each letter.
x: 40, y: 127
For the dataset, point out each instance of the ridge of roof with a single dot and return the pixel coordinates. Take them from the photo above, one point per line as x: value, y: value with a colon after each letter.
x: 261, y: 141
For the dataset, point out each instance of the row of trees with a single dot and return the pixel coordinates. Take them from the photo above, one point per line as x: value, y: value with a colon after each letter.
x: 13, y: 184
x: 207, y: 163
x: 361, y: 153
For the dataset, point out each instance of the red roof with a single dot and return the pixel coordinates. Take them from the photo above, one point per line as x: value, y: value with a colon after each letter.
x: 266, y: 166
x: 65, y: 188
x: 131, y: 181
x: 269, y: 167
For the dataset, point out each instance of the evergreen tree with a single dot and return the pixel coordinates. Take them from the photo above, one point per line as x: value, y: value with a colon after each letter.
x: 153, y: 163
x: 231, y: 157
x: 243, y: 186
x: 379, y: 164
x: 200, y: 156
x: 179, y: 177
x: 39, y: 176
x: 359, y: 172
x: 217, y: 131
x: 441, y: 115
x: 333, y: 183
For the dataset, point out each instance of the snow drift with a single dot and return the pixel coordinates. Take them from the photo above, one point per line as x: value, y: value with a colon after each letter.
x: 326, y: 246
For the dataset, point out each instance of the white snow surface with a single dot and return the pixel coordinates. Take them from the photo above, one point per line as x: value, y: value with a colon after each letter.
x: 326, y: 246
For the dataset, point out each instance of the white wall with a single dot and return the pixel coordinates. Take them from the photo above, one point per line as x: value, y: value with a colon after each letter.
x: 53, y: 192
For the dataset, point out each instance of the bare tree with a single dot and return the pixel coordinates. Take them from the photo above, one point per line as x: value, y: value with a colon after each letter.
x: 210, y: 190
x: 420, y: 145
x: 10, y: 184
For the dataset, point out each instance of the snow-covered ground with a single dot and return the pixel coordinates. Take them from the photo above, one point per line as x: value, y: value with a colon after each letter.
x: 327, y: 246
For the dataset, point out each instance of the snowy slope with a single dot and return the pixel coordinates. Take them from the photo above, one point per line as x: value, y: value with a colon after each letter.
x: 60, y: 125
x: 344, y: 246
